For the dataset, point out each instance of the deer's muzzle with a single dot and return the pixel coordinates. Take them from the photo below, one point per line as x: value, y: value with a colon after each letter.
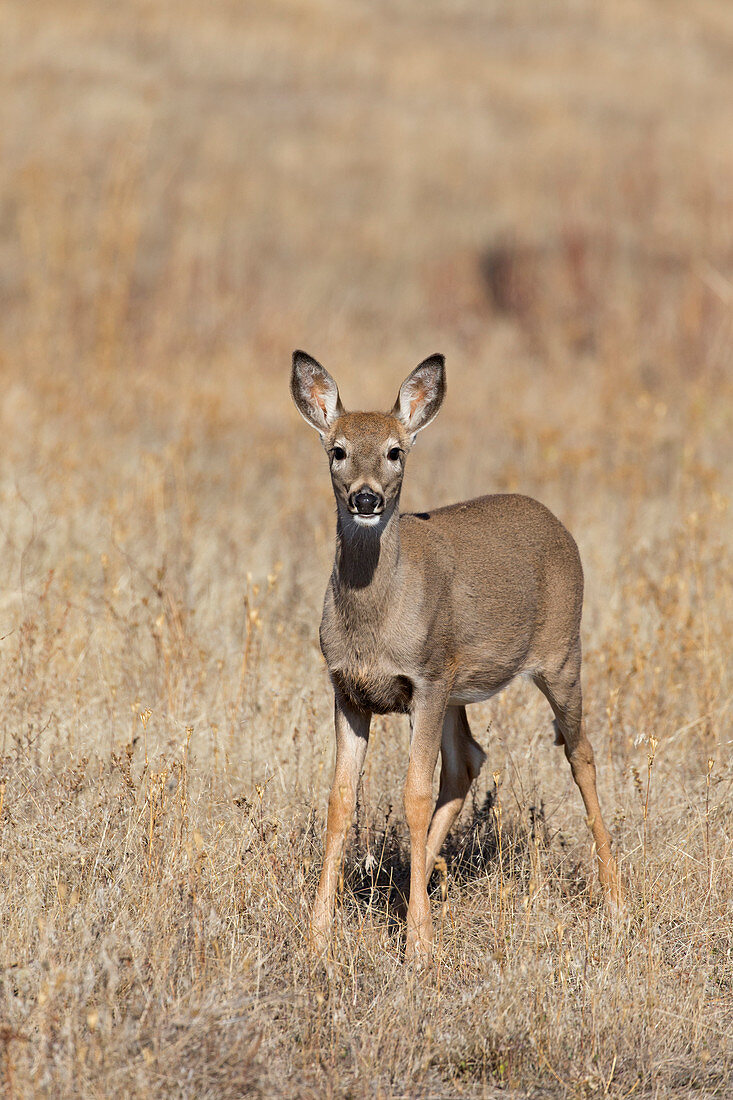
x: 366, y: 503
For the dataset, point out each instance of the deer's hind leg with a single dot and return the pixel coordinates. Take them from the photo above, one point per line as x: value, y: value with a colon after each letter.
x: 461, y: 760
x: 562, y: 689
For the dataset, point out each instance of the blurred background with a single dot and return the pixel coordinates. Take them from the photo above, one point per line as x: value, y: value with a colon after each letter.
x: 541, y: 192
x: 188, y: 191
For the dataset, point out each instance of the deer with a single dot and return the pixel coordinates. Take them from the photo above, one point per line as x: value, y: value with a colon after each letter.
x: 426, y: 613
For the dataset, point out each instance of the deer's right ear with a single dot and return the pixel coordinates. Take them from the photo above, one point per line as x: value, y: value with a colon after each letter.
x: 315, y: 393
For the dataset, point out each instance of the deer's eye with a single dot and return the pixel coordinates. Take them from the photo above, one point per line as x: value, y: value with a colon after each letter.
x: 339, y: 454
x: 393, y: 454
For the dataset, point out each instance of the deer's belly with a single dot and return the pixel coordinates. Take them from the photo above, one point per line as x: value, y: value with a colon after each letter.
x: 373, y: 690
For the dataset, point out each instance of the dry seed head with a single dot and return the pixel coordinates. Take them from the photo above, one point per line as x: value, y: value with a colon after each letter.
x: 442, y: 868
x: 145, y: 717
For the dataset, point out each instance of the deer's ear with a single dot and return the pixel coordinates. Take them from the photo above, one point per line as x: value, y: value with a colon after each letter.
x: 421, y: 395
x: 315, y: 393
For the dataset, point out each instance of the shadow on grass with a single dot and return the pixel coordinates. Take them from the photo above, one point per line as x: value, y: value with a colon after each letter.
x: 483, y: 845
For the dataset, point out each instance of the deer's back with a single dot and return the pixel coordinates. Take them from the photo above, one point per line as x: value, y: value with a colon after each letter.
x: 506, y: 574
x: 502, y: 535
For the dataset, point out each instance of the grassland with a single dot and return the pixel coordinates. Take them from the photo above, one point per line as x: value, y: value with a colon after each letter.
x: 189, y: 191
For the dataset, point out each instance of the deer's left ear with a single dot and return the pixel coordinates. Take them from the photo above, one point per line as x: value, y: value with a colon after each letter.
x: 421, y: 395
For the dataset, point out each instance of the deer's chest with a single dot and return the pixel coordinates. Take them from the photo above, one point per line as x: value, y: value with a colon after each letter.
x: 366, y: 655
x: 366, y: 672
x: 371, y: 688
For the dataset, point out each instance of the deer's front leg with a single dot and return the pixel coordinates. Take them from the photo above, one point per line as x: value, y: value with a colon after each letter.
x: 427, y: 724
x: 352, y: 737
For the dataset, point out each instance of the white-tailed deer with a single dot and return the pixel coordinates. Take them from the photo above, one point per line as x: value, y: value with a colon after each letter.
x: 426, y: 613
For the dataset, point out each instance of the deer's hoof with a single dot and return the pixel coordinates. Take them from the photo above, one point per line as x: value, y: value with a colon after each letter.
x: 319, y: 939
x: 418, y: 949
x: 615, y: 903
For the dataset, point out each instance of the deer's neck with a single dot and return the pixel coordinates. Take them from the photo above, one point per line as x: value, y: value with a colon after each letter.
x: 366, y: 568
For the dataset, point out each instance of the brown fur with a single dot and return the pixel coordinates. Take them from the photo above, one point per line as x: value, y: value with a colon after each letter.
x: 427, y: 613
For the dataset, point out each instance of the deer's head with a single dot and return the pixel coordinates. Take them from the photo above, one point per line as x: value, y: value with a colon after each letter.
x: 367, y: 450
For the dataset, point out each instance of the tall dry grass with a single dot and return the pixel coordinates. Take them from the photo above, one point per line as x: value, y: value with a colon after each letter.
x: 188, y: 192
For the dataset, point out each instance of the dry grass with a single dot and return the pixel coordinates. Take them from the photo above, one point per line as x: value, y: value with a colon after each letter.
x: 188, y: 192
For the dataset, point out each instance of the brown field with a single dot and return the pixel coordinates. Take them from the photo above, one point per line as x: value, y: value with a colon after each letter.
x: 188, y: 192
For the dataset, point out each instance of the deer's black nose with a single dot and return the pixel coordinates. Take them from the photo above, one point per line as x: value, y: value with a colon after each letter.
x: 366, y: 502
